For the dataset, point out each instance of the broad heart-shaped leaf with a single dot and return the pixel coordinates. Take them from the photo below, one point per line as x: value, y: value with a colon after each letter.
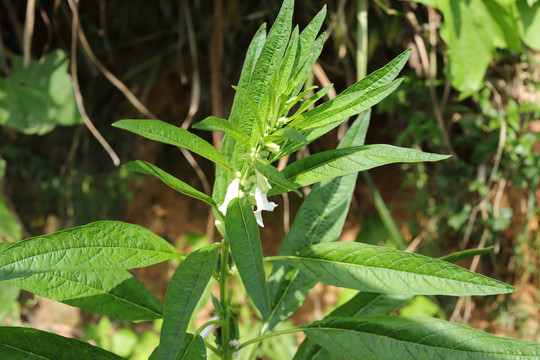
x: 146, y: 168
x: 320, y: 219
x: 377, y: 269
x: 37, y: 98
x: 99, y: 245
x: 186, y: 287
x: 169, y: 134
x: 215, y: 123
x: 229, y: 146
x: 244, y: 239
x: 414, y: 338
x: 362, y: 304
x: 114, y: 293
x: 20, y: 343
x: 274, y: 175
x: 332, y: 163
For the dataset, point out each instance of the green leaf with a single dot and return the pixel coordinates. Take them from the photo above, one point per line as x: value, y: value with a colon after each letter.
x: 530, y: 22
x: 327, y: 116
x: 329, y: 164
x: 362, y: 304
x: 267, y: 66
x: 10, y: 228
x: 465, y: 254
x: 305, y: 65
x: 8, y: 295
x: 286, y: 133
x: 320, y: 219
x: 186, y: 287
x: 146, y: 168
x: 192, y: 348
x: 169, y: 134
x: 415, y: 338
x: 215, y: 123
x: 275, y: 175
x: 377, y: 269
x: 243, y: 236
x: 114, y: 293
x: 312, y: 100
x: 99, y: 245
x: 20, y: 343
x: 37, y: 98
x: 284, y: 73
x: 472, y: 31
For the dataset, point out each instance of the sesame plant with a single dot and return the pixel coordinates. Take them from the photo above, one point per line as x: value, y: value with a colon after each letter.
x: 272, y: 117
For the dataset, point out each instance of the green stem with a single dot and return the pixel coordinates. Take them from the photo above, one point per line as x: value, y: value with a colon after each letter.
x: 254, y: 349
x: 226, y: 350
x: 267, y: 336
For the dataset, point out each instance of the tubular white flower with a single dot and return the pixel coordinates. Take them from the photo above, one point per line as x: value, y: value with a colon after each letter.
x: 261, y: 189
x: 233, y: 191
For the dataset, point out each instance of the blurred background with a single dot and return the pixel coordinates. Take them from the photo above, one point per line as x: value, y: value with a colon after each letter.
x: 471, y: 89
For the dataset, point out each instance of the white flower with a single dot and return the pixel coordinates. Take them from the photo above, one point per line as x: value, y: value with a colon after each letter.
x: 207, y: 330
x: 261, y: 189
x: 233, y: 191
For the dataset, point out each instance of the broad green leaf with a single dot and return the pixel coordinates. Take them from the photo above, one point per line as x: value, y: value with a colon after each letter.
x: 377, y: 269
x: 329, y: 164
x: 186, y: 287
x: 472, y: 31
x: 99, y: 245
x: 320, y: 219
x: 36, y: 99
x: 229, y: 147
x: 465, y: 254
x: 530, y: 22
x: 215, y: 123
x: 415, y: 338
x: 169, y: 134
x: 146, y: 168
x: 243, y: 236
x: 10, y: 228
x: 114, y: 293
x: 267, y: 66
x: 286, y: 133
x: 8, y: 295
x: 192, y: 348
x: 20, y: 343
x: 275, y: 175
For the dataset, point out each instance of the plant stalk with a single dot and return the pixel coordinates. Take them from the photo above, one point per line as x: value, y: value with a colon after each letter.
x: 226, y: 350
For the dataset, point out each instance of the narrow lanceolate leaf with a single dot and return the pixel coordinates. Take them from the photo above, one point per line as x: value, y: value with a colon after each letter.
x: 245, y: 242
x: 114, y: 293
x: 214, y: 123
x: 377, y: 269
x: 146, y: 168
x: 99, y: 245
x: 275, y: 175
x: 329, y: 164
x: 268, y: 65
x: 20, y: 343
x: 320, y: 219
x: 465, y: 254
x: 362, y: 304
x: 288, y: 134
x: 229, y: 147
x: 325, y: 117
x: 169, y: 134
x: 414, y: 338
x: 186, y: 287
